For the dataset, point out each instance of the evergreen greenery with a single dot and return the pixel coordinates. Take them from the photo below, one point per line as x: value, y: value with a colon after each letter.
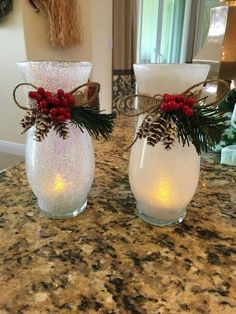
x: 203, y: 129
x: 96, y: 123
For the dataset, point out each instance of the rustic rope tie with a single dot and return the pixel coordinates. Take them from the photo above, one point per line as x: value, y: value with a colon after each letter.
x: 157, y: 98
x: 76, y: 91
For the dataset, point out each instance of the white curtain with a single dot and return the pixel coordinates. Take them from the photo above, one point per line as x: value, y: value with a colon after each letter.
x: 161, y: 30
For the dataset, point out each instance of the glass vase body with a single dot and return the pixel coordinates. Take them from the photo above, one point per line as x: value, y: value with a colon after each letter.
x: 60, y: 171
x: 164, y: 182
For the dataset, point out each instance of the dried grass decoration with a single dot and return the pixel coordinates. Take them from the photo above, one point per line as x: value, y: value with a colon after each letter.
x: 185, y: 117
x: 55, y: 110
x: 64, y: 21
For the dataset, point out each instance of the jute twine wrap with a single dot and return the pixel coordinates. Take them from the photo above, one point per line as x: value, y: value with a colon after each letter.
x: 152, y: 103
x: 79, y: 93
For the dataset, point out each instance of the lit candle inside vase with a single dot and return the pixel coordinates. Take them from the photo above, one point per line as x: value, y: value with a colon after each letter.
x: 163, y: 182
x: 61, y: 172
x: 59, y: 184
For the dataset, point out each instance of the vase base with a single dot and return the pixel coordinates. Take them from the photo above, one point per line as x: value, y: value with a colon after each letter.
x: 62, y: 215
x: 158, y: 222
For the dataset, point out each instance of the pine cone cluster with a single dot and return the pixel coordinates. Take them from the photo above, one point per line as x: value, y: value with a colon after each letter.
x: 43, y: 123
x: 157, y: 128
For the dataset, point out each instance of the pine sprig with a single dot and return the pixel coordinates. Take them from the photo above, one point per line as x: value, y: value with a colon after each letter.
x: 204, y: 129
x: 96, y: 123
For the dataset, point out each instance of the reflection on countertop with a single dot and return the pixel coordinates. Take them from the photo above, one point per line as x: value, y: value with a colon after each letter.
x: 107, y: 260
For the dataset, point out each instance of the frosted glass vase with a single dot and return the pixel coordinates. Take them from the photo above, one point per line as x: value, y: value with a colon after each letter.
x: 60, y: 172
x: 164, y: 182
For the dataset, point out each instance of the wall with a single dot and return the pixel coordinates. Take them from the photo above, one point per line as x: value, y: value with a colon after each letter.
x: 37, y: 44
x: 12, y: 49
x: 24, y: 35
x: 101, y: 35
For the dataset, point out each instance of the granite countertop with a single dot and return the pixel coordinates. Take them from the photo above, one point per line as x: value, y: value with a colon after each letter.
x: 107, y: 260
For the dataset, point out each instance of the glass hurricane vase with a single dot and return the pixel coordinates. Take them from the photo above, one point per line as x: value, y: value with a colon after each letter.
x: 164, y: 182
x: 60, y: 171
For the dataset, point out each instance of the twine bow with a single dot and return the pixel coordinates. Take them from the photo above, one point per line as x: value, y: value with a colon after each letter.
x: 165, y: 126
x: 78, y: 92
x: 122, y: 104
x: 80, y: 107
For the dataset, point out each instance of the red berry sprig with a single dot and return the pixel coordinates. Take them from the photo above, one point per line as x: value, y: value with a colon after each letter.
x: 178, y: 102
x: 56, y: 105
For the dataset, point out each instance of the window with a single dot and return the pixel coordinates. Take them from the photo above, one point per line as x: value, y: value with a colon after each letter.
x: 161, y: 30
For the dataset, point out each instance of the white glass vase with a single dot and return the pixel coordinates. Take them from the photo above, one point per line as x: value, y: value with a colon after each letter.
x: 60, y: 172
x: 164, y: 182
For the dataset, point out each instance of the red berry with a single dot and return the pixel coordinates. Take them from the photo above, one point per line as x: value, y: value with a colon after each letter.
x: 60, y: 92
x: 41, y: 91
x: 35, y: 96
x: 38, y: 97
x: 180, y: 104
x: 62, y: 111
x: 165, y: 95
x: 54, y: 112
x: 32, y: 94
x: 70, y: 99
x: 164, y: 106
x: 43, y: 104
x: 180, y: 98
x: 49, y: 99
x: 64, y: 103
x: 168, y: 97
x: 185, y: 108
x: 48, y: 94
x: 68, y: 115
x: 171, y: 104
x: 189, y: 112
x: 61, y: 118
x: 55, y: 101
x: 176, y: 106
x: 190, y: 101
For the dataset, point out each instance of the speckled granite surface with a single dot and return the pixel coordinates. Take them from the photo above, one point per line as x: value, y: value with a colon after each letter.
x: 109, y: 261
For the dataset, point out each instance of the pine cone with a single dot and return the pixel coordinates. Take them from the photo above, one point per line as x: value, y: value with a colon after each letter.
x: 42, y: 126
x: 157, y: 129
x: 144, y: 129
x: 29, y: 120
x: 170, y: 135
x: 62, y: 129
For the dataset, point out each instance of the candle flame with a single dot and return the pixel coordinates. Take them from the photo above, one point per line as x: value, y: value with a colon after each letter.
x: 59, y: 184
x: 164, y: 192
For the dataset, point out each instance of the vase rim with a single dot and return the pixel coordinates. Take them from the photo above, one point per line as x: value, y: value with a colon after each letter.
x: 81, y: 63
x: 174, y: 64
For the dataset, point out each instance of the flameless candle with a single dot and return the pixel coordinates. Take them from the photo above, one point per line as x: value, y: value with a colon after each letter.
x: 163, y: 182
x: 59, y: 184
